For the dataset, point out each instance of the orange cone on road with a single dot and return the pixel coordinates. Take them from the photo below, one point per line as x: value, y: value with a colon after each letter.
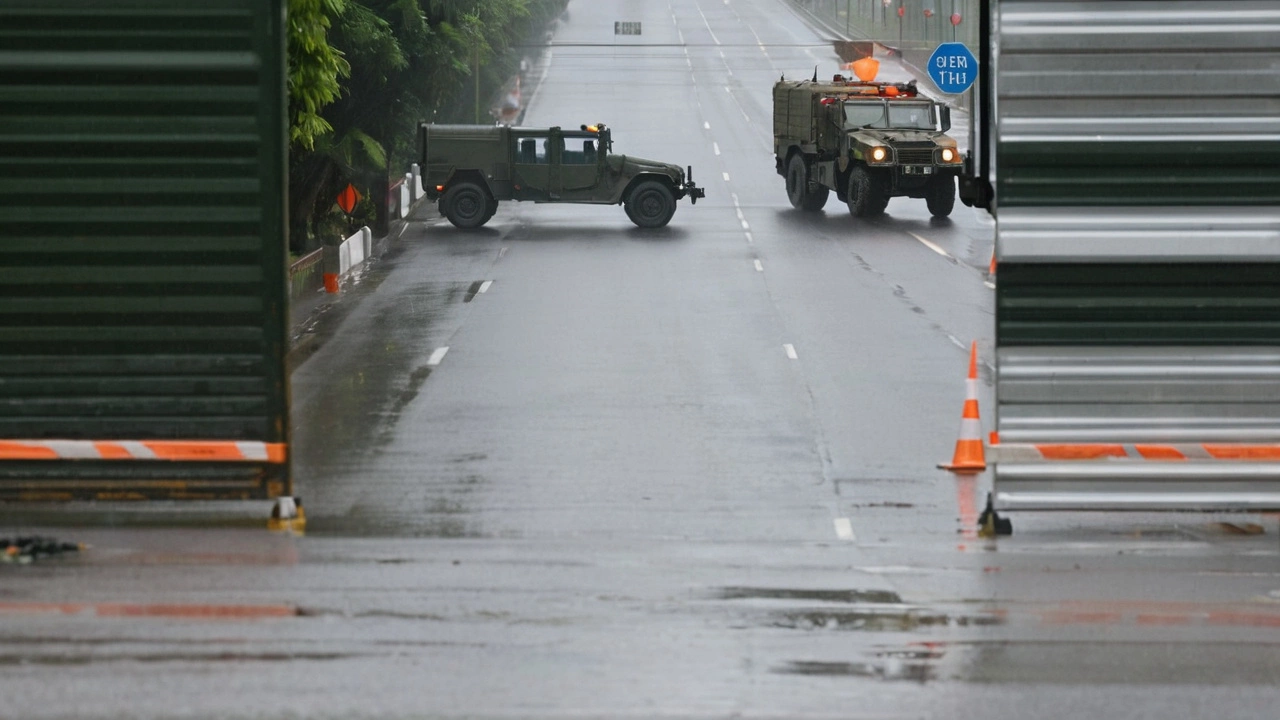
x: 969, y: 455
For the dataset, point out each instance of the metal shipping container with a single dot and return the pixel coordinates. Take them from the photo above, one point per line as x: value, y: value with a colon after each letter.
x: 1137, y: 178
x: 143, y: 271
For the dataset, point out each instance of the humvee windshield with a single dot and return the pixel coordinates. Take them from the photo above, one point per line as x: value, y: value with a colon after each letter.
x: 883, y: 114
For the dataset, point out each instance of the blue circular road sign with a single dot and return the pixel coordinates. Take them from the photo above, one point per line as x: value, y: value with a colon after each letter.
x: 953, y: 68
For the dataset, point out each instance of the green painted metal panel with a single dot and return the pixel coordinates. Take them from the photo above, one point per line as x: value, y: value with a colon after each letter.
x: 143, y: 275
x: 1138, y: 173
x: 1138, y: 304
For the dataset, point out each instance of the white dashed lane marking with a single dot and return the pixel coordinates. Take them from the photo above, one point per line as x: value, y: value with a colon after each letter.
x: 844, y: 529
x: 791, y: 351
x: 437, y: 356
x: 931, y: 245
x: 759, y: 266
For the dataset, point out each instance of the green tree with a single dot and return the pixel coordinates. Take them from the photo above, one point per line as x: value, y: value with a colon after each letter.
x: 394, y: 63
x: 315, y: 68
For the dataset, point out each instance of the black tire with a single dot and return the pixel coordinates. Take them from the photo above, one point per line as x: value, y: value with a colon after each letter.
x: 490, y: 210
x: 866, y: 198
x: 942, y: 197
x: 466, y: 205
x: 651, y: 204
x: 798, y: 187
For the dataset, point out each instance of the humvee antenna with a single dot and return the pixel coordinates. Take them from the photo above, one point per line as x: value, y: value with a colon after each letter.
x: 815, y: 73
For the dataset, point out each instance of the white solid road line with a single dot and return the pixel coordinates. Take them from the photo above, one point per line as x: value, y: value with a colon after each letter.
x: 844, y: 529
x: 791, y: 351
x: 437, y: 356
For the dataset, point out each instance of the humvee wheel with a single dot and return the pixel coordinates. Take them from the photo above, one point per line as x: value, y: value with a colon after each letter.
x: 490, y: 209
x: 798, y: 187
x: 942, y: 197
x: 865, y: 197
x: 651, y: 204
x: 466, y: 205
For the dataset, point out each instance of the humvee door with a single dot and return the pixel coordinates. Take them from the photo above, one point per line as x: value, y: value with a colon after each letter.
x: 531, y: 173
x: 580, y: 165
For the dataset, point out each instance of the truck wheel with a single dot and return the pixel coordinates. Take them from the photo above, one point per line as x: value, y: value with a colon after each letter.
x: 942, y: 197
x: 798, y: 187
x: 651, y: 204
x: 865, y: 196
x: 490, y: 209
x: 466, y: 205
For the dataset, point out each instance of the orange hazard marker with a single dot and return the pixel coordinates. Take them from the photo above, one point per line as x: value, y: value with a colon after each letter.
x: 991, y: 270
x: 969, y: 455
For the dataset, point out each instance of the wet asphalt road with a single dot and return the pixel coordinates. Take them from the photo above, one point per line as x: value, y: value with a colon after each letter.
x: 564, y: 468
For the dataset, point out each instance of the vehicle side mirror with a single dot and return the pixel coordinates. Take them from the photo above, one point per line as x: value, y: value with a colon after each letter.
x: 944, y: 114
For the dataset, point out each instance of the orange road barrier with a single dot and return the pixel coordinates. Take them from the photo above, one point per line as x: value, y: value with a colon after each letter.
x: 170, y: 450
x: 1171, y: 452
x: 969, y: 456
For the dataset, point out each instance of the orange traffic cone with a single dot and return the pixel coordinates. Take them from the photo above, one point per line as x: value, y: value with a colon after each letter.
x: 969, y: 456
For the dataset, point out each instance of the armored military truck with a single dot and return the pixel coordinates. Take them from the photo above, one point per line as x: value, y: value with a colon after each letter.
x: 867, y: 141
x: 471, y: 168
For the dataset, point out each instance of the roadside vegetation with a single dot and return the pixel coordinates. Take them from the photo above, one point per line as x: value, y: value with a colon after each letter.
x: 363, y: 73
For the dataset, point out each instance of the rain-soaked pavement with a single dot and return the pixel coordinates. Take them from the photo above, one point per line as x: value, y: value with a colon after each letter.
x: 564, y: 468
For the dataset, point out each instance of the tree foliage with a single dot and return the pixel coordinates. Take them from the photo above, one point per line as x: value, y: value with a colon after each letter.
x: 364, y: 73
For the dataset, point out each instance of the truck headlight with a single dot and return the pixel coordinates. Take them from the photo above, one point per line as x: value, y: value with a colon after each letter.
x: 879, y: 154
x: 948, y: 155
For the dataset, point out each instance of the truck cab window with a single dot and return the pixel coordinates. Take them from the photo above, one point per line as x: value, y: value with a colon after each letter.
x: 534, y: 151
x: 917, y: 116
x: 579, y: 152
x: 862, y: 114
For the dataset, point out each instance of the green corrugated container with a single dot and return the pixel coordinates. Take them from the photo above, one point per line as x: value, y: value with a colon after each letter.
x: 143, y: 271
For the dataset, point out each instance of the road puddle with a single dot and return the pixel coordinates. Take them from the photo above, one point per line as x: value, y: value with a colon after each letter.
x: 886, y: 670
x: 881, y: 597
x: 878, y: 620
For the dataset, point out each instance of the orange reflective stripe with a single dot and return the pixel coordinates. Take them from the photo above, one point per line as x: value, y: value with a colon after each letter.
x: 1080, y: 452
x: 112, y: 451
x: 23, y: 451
x: 171, y: 450
x: 1159, y: 452
x: 1244, y: 452
x: 277, y: 453
x: 179, y: 450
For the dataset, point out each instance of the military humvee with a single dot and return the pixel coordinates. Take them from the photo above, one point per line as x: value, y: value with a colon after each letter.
x: 471, y: 168
x: 868, y: 141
